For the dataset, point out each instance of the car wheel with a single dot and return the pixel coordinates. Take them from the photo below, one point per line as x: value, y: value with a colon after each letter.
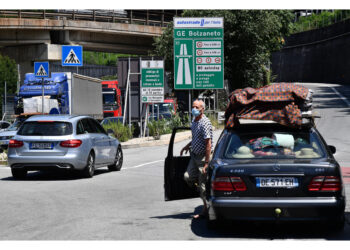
x: 89, y: 170
x: 213, y: 224
x: 338, y: 224
x: 118, y: 161
x: 18, y: 173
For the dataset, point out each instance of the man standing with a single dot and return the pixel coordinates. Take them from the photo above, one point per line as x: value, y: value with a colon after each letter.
x: 201, y: 147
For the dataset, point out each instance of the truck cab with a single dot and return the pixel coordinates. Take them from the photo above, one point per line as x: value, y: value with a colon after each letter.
x: 111, y: 99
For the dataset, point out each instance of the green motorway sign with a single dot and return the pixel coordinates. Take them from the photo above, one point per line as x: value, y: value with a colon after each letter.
x: 152, y: 78
x: 198, y: 53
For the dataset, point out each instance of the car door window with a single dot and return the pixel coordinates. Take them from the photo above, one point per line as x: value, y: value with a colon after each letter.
x: 93, y: 126
x: 87, y: 127
x: 99, y: 128
x: 80, y: 128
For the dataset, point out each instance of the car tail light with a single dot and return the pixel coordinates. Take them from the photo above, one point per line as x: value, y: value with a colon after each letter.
x: 229, y: 184
x: 331, y: 183
x: 238, y: 184
x: 325, y: 183
x: 222, y: 184
x: 71, y: 143
x: 15, y: 144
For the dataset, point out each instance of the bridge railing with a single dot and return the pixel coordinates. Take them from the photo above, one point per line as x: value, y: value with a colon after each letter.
x: 142, y: 17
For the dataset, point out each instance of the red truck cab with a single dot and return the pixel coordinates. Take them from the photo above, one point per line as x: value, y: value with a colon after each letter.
x: 111, y: 99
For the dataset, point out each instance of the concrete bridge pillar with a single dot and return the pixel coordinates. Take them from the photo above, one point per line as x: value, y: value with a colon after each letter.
x: 26, y: 55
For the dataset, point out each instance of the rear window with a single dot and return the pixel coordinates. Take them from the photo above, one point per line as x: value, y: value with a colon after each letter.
x: 276, y: 144
x: 46, y: 128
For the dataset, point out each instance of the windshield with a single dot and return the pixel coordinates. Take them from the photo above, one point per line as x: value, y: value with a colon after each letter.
x: 163, y: 107
x: 109, y: 99
x: 274, y: 145
x: 15, y: 125
x: 46, y: 128
x: 112, y: 120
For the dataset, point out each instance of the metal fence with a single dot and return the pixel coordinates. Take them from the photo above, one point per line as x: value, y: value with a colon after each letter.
x: 96, y: 71
x: 314, y: 19
x: 143, y: 17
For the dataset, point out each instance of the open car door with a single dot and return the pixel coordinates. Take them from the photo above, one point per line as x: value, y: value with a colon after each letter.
x: 174, y: 168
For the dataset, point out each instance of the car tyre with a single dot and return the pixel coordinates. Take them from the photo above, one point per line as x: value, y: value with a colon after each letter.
x: 89, y: 170
x: 213, y: 224
x: 118, y: 162
x: 338, y: 224
x: 19, y: 174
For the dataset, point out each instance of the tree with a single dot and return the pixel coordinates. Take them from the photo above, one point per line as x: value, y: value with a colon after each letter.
x: 8, y: 73
x: 249, y: 38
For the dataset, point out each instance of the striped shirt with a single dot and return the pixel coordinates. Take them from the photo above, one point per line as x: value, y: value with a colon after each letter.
x: 201, y: 130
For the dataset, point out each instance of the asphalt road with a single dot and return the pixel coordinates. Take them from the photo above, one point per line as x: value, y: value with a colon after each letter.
x: 129, y: 205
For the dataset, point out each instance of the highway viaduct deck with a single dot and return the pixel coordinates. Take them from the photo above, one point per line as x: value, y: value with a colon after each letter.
x: 28, y: 40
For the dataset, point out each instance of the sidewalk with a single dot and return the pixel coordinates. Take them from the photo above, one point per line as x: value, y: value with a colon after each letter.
x: 150, y: 141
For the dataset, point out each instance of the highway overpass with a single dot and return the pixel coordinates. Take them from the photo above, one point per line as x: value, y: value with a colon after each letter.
x: 29, y: 36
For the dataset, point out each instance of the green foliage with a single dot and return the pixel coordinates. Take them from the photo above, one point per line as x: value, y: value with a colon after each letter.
x: 322, y: 19
x: 166, y: 126
x: 121, y: 132
x: 213, y: 117
x: 102, y: 58
x: 8, y: 73
x: 106, y: 78
x: 249, y: 38
x: 158, y: 128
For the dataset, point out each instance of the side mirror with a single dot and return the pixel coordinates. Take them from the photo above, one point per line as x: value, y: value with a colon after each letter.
x: 332, y: 148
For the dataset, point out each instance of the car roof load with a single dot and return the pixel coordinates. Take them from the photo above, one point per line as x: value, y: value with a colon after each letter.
x: 288, y: 104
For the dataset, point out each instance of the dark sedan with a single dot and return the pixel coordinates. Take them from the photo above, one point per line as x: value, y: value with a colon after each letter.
x: 266, y: 172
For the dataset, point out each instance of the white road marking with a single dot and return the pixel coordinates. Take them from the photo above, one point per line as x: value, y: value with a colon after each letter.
x: 144, y: 164
x: 341, y: 96
x: 138, y: 166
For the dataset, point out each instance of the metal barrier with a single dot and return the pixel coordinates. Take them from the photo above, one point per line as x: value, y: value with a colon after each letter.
x: 144, y: 17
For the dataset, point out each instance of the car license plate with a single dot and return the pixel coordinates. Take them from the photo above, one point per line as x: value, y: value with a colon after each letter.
x: 277, y: 182
x: 41, y: 145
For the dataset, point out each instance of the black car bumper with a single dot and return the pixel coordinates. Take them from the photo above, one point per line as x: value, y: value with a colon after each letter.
x: 270, y: 209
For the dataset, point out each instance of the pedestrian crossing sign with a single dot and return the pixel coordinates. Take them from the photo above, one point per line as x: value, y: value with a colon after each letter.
x: 41, y: 69
x: 72, y: 55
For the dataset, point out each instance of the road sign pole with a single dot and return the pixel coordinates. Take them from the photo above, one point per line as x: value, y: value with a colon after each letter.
x: 141, y: 105
x: 129, y: 99
x: 5, y: 101
x: 42, y: 98
x: 189, y: 105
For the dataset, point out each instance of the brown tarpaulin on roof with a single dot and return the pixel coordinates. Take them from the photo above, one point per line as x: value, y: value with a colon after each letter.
x: 278, y: 102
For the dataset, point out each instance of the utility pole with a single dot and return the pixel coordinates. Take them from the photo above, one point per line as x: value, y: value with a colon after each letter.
x: 42, y: 99
x: 5, y: 101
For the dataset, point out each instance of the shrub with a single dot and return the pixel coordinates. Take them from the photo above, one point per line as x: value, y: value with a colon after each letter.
x: 213, y: 119
x: 166, y: 126
x: 158, y: 128
x: 121, y: 132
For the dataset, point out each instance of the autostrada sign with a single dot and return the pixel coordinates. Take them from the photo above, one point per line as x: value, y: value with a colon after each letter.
x: 198, y: 53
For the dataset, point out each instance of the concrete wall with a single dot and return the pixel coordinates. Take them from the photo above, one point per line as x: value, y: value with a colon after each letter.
x: 321, y: 55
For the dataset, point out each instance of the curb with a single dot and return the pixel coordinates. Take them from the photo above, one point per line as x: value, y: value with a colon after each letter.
x: 150, y: 141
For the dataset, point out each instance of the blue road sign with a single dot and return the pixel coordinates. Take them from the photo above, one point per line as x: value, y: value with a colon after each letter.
x: 72, y: 55
x: 41, y: 69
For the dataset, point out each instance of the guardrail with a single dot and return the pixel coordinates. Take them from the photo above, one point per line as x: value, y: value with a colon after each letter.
x: 143, y: 17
